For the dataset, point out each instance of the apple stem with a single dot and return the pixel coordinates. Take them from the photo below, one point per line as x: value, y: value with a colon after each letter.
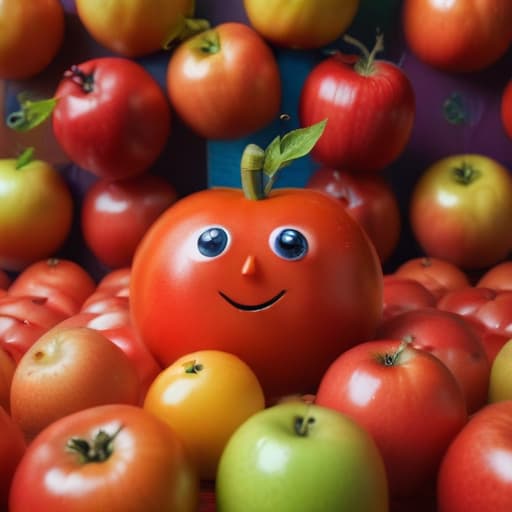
x: 465, y: 174
x: 99, y: 450
x: 303, y: 424
x: 366, y: 64
x: 193, y: 367
x: 392, y: 359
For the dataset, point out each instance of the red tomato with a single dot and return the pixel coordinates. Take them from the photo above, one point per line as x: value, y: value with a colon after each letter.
x: 498, y: 277
x: 451, y: 339
x: 475, y: 473
x: 68, y: 370
x: 144, y: 27
x: 459, y: 35
x: 115, y: 457
x: 437, y: 275
x: 285, y: 283
x: 370, y: 107
x: 369, y: 199
x: 7, y: 366
x: 23, y: 319
x: 112, y: 118
x: 116, y: 214
x: 116, y: 280
x: 468, y: 198
x: 506, y: 109
x: 32, y: 34
x: 401, y: 294
x: 224, y: 82
x: 12, y: 448
x: 304, y: 24
x: 36, y: 211
x: 210, y: 381
x: 63, y: 283
x: 406, y: 399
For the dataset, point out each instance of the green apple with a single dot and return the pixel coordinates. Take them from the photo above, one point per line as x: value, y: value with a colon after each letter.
x: 296, y: 456
x: 500, y: 379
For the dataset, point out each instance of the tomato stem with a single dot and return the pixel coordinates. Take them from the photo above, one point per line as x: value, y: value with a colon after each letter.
x: 391, y: 359
x: 251, y: 168
x: 84, y: 80
x: 99, y: 450
x: 193, y: 367
x: 366, y: 64
x: 465, y: 174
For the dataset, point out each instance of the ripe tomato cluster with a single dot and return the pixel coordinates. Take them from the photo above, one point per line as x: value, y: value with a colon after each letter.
x: 247, y: 348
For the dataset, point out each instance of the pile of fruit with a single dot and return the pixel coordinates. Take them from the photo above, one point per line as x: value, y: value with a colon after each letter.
x: 246, y: 349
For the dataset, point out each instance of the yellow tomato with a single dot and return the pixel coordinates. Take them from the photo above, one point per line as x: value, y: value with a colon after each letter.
x: 204, y: 396
x: 133, y: 28
x: 301, y: 23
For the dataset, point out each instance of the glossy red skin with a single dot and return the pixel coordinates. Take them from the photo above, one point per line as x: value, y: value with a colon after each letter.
x: 450, y: 338
x: 116, y: 279
x: 489, y: 310
x: 506, y: 109
x: 436, y: 275
x: 475, y: 473
x: 147, y: 470
x: 226, y: 94
x: 497, y: 277
x: 460, y: 35
x: 64, y: 283
x: 332, y: 298
x: 116, y: 214
x: 23, y: 319
x: 121, y: 127
x: 115, y: 324
x: 402, y: 294
x: 370, y: 128
x: 12, y: 449
x: 427, y: 406
x: 369, y: 199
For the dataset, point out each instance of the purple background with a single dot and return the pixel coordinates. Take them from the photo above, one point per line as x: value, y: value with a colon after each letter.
x: 191, y: 163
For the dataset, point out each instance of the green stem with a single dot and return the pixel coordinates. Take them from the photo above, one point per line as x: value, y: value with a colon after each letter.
x: 193, y: 367
x: 99, y: 450
x: 465, y: 174
x: 251, y: 170
x: 185, y: 29
x: 366, y: 64
x: 25, y: 158
x: 303, y: 424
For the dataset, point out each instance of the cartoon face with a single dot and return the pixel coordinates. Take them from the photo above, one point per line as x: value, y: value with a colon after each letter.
x: 286, y: 283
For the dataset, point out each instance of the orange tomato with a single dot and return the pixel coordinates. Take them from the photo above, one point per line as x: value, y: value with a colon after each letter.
x: 132, y: 28
x: 204, y: 396
x: 31, y: 34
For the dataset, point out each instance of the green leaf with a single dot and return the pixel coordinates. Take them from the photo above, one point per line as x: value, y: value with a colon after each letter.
x: 31, y: 113
x: 282, y: 151
x: 25, y: 158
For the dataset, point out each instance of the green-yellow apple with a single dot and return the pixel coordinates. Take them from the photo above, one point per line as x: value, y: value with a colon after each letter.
x: 500, y: 380
x: 296, y: 456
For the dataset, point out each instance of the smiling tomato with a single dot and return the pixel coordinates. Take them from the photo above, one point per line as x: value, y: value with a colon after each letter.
x: 286, y: 282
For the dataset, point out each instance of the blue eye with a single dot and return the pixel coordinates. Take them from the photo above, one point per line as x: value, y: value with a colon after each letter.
x: 212, y: 242
x: 290, y: 244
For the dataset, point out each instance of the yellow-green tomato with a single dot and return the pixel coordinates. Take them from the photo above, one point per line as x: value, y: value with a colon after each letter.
x: 36, y: 211
x: 304, y: 24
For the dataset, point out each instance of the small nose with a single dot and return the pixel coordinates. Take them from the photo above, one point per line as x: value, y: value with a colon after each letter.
x: 249, y: 266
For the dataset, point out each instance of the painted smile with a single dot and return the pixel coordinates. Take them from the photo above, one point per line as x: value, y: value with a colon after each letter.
x: 253, y: 307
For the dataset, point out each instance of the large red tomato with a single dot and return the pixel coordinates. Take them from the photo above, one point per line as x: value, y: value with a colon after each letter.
x: 458, y: 35
x: 36, y: 211
x: 475, y: 471
x: 133, y: 28
x: 406, y: 399
x: 116, y: 457
x: 31, y: 35
x: 370, y: 199
x: 224, y: 82
x: 498, y: 277
x: 112, y: 118
x: 468, y: 198
x: 370, y: 106
x: 116, y: 214
x: 286, y: 283
x: 303, y: 24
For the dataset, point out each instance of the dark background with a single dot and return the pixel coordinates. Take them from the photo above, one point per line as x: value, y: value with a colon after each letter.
x: 191, y: 163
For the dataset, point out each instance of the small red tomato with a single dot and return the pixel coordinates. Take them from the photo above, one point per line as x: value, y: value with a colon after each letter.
x: 116, y: 214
